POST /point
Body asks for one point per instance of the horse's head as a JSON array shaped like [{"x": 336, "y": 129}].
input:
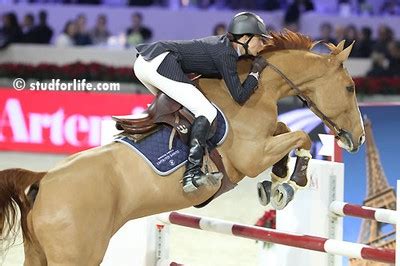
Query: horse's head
[
  {"x": 334, "y": 94},
  {"x": 322, "y": 79}
]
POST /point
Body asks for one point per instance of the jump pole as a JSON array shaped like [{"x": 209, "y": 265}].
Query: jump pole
[
  {"x": 343, "y": 248},
  {"x": 380, "y": 215}
]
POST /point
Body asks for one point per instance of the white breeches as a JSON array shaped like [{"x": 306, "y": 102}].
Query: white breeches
[{"x": 184, "y": 93}]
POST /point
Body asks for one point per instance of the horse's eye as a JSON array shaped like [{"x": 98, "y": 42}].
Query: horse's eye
[{"x": 350, "y": 88}]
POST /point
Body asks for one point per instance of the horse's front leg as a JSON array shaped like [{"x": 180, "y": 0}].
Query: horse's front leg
[
  {"x": 280, "y": 169},
  {"x": 276, "y": 152}
]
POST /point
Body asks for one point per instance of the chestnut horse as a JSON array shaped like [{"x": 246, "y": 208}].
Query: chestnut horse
[{"x": 87, "y": 197}]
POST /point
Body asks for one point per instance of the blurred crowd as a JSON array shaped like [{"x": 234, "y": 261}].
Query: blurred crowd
[
  {"x": 384, "y": 49},
  {"x": 359, "y": 7},
  {"x": 29, "y": 31},
  {"x": 75, "y": 31}
]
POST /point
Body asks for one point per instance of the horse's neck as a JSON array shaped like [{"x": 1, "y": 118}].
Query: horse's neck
[{"x": 299, "y": 66}]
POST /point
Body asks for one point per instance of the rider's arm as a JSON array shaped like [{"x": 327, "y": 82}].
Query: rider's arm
[{"x": 240, "y": 92}]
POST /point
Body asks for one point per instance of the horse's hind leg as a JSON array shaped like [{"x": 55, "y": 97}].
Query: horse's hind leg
[
  {"x": 78, "y": 245},
  {"x": 77, "y": 233},
  {"x": 34, "y": 255}
]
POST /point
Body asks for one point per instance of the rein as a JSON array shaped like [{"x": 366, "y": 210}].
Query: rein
[{"x": 308, "y": 102}]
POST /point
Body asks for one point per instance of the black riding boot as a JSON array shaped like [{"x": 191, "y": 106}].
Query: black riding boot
[{"x": 194, "y": 176}]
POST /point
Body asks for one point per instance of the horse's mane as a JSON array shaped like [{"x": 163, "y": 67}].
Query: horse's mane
[{"x": 289, "y": 40}]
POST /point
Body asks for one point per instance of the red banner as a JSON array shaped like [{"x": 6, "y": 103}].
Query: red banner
[{"x": 59, "y": 122}]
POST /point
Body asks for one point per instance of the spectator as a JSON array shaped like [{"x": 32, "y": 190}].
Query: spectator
[
  {"x": 219, "y": 29},
  {"x": 365, "y": 43},
  {"x": 28, "y": 29},
  {"x": 43, "y": 32},
  {"x": 137, "y": 33},
  {"x": 294, "y": 11},
  {"x": 385, "y": 35},
  {"x": 82, "y": 37},
  {"x": 11, "y": 31},
  {"x": 99, "y": 34},
  {"x": 325, "y": 31},
  {"x": 379, "y": 63},
  {"x": 351, "y": 35},
  {"x": 67, "y": 37},
  {"x": 394, "y": 59},
  {"x": 340, "y": 34}
]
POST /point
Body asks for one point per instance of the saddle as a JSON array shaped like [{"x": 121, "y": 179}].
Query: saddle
[{"x": 163, "y": 110}]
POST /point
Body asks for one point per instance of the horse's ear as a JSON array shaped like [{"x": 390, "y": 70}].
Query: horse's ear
[
  {"x": 315, "y": 43},
  {"x": 340, "y": 45},
  {"x": 343, "y": 55}
]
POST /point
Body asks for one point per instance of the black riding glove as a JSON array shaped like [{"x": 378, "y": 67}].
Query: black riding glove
[{"x": 258, "y": 65}]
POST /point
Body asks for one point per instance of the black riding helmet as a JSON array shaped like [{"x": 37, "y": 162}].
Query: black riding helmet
[{"x": 246, "y": 23}]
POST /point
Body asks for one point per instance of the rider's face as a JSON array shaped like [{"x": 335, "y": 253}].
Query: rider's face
[{"x": 256, "y": 44}]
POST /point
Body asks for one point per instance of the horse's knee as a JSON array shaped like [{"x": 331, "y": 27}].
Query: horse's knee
[{"x": 305, "y": 141}]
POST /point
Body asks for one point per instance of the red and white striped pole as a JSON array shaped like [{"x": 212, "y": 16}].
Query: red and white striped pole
[
  {"x": 380, "y": 215},
  {"x": 331, "y": 246}
]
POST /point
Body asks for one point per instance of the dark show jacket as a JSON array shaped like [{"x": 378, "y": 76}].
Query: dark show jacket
[{"x": 211, "y": 56}]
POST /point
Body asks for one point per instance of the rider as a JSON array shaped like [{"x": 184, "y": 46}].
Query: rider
[{"x": 163, "y": 66}]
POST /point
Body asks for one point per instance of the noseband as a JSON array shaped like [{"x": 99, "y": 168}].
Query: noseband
[{"x": 309, "y": 103}]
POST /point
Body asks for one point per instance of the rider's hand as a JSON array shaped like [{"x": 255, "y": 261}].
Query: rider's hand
[{"x": 258, "y": 65}]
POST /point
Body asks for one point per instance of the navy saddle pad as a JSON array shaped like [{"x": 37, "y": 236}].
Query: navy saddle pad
[{"x": 155, "y": 151}]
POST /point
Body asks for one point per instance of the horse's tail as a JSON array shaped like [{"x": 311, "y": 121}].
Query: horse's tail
[{"x": 13, "y": 183}]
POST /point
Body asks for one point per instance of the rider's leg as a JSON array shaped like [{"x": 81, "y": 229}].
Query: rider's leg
[
  {"x": 194, "y": 176},
  {"x": 189, "y": 96}
]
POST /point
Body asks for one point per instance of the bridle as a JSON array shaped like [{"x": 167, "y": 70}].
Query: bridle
[{"x": 339, "y": 132}]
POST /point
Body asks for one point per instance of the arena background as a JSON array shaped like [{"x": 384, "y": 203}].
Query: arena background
[{"x": 40, "y": 128}]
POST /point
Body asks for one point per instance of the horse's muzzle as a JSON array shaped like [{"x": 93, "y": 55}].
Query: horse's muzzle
[{"x": 346, "y": 141}]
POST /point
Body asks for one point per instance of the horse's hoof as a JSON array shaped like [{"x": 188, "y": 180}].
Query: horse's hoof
[
  {"x": 282, "y": 194},
  {"x": 264, "y": 192}
]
